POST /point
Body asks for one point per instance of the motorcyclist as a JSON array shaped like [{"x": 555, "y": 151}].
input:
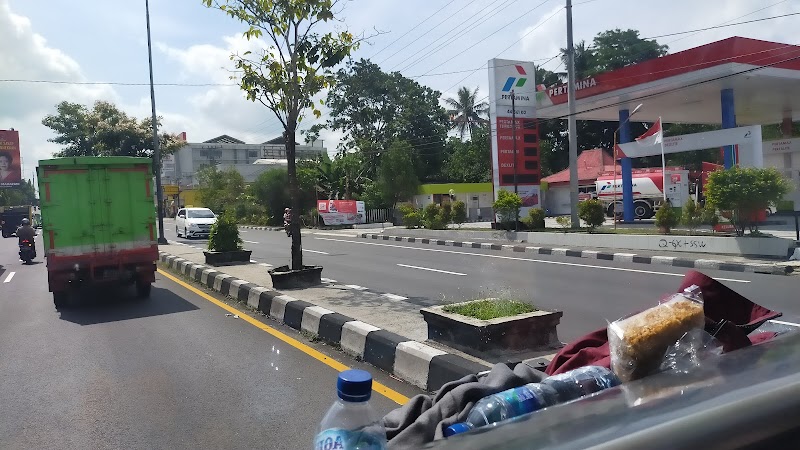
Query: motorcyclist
[
  {"x": 287, "y": 220},
  {"x": 26, "y": 231}
]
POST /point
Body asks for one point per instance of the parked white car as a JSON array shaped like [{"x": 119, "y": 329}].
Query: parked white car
[{"x": 194, "y": 222}]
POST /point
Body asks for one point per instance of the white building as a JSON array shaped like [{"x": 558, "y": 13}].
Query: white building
[{"x": 227, "y": 152}]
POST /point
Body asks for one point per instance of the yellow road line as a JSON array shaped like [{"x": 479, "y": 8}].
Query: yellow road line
[{"x": 338, "y": 366}]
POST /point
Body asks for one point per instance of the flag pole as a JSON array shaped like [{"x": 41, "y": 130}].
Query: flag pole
[{"x": 663, "y": 161}]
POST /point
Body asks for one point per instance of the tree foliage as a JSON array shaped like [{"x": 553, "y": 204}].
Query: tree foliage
[
  {"x": 592, "y": 212},
  {"x": 397, "y": 179},
  {"x": 467, "y": 113},
  {"x": 667, "y": 218},
  {"x": 224, "y": 234},
  {"x": 373, "y": 109},
  {"x": 296, "y": 65},
  {"x": 745, "y": 192},
  {"x": 271, "y": 191},
  {"x": 459, "y": 213},
  {"x": 219, "y": 190},
  {"x": 468, "y": 161},
  {"x": 692, "y": 215},
  {"x": 507, "y": 207},
  {"x": 105, "y": 130},
  {"x": 536, "y": 219}
]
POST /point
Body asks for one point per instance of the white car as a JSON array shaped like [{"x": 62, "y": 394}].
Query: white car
[{"x": 194, "y": 222}]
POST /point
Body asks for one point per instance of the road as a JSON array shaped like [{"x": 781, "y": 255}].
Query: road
[
  {"x": 590, "y": 292},
  {"x": 172, "y": 371}
]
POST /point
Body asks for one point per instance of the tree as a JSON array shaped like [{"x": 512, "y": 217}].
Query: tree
[
  {"x": 470, "y": 161},
  {"x": 692, "y": 216},
  {"x": 507, "y": 207},
  {"x": 592, "y": 212},
  {"x": 536, "y": 218},
  {"x": 667, "y": 218},
  {"x": 271, "y": 190},
  {"x": 466, "y": 113},
  {"x": 615, "y": 49},
  {"x": 396, "y": 177},
  {"x": 745, "y": 192},
  {"x": 105, "y": 130},
  {"x": 288, "y": 75},
  {"x": 374, "y": 108},
  {"x": 224, "y": 236},
  {"x": 220, "y": 190},
  {"x": 459, "y": 213}
]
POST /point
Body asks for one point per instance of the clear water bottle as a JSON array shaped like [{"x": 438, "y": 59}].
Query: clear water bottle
[
  {"x": 351, "y": 423},
  {"x": 551, "y": 391},
  {"x": 506, "y": 405},
  {"x": 581, "y": 382}
]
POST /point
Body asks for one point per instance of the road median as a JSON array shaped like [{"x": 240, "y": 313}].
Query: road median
[{"x": 342, "y": 319}]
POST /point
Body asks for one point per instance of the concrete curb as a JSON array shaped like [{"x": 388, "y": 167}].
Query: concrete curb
[
  {"x": 251, "y": 227},
  {"x": 709, "y": 264},
  {"x": 415, "y": 362}
]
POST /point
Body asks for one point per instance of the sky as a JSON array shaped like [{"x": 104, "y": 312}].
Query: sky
[{"x": 88, "y": 50}]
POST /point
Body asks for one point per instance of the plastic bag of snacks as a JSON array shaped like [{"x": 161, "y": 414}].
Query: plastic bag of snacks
[{"x": 637, "y": 344}]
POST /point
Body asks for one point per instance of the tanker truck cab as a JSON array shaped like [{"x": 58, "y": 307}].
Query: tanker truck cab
[{"x": 194, "y": 222}]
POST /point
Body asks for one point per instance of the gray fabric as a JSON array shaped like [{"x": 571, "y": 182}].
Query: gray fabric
[{"x": 424, "y": 418}]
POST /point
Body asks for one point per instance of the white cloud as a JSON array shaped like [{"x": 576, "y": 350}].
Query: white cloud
[{"x": 26, "y": 55}]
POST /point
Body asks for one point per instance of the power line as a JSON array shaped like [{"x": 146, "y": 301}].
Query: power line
[
  {"x": 458, "y": 34},
  {"x": 112, "y": 83},
  {"x": 724, "y": 26},
  {"x": 411, "y": 29},
  {"x": 737, "y": 18},
  {"x": 493, "y": 33},
  {"x": 425, "y": 33}
]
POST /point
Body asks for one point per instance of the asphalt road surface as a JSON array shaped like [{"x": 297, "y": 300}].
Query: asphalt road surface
[
  {"x": 172, "y": 371},
  {"x": 590, "y": 292}
]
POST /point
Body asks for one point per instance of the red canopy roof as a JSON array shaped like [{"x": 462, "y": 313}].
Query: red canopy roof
[{"x": 591, "y": 163}]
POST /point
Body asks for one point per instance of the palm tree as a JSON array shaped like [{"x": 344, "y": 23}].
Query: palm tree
[
  {"x": 465, "y": 114},
  {"x": 584, "y": 62}
]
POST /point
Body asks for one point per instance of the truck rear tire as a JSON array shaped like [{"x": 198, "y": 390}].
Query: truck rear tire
[
  {"x": 642, "y": 210},
  {"x": 60, "y": 299},
  {"x": 143, "y": 289}
]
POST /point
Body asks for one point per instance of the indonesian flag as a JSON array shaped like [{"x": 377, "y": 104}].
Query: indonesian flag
[
  {"x": 643, "y": 145},
  {"x": 653, "y": 136}
]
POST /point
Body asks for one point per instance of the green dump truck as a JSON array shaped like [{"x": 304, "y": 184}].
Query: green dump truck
[{"x": 98, "y": 227}]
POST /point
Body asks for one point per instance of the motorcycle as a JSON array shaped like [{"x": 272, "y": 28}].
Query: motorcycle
[
  {"x": 27, "y": 251},
  {"x": 287, "y": 227}
]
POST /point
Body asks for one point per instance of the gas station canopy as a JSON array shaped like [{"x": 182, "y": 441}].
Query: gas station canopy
[{"x": 684, "y": 87}]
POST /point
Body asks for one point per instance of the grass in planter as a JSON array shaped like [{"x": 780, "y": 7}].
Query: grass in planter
[{"x": 491, "y": 309}]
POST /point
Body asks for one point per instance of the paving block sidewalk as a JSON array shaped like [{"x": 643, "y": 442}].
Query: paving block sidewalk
[
  {"x": 372, "y": 326},
  {"x": 695, "y": 261}
]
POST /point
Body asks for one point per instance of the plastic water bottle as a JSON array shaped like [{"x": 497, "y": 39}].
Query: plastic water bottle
[
  {"x": 351, "y": 423},
  {"x": 535, "y": 396}
]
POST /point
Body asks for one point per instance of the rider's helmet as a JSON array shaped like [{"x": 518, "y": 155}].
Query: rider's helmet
[{"x": 25, "y": 222}]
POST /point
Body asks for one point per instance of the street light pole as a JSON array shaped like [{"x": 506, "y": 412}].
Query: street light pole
[
  {"x": 156, "y": 151},
  {"x": 572, "y": 125}
]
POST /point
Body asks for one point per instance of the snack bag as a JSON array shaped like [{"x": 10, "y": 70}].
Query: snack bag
[{"x": 637, "y": 344}]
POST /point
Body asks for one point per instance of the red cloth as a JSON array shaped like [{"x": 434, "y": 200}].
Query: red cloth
[{"x": 729, "y": 317}]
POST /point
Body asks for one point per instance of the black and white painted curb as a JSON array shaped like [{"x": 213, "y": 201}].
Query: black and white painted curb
[
  {"x": 415, "y": 362},
  {"x": 251, "y": 227},
  {"x": 708, "y": 264}
]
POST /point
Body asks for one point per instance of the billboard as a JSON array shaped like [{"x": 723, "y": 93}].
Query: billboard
[
  {"x": 514, "y": 126},
  {"x": 341, "y": 212},
  {"x": 10, "y": 163}
]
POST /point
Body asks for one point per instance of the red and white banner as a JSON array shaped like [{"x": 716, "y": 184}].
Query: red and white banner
[
  {"x": 10, "y": 163},
  {"x": 341, "y": 212}
]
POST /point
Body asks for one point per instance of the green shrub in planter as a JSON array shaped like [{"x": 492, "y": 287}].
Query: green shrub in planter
[
  {"x": 459, "y": 213},
  {"x": 667, "y": 218},
  {"x": 224, "y": 235},
  {"x": 536, "y": 219},
  {"x": 412, "y": 220}
]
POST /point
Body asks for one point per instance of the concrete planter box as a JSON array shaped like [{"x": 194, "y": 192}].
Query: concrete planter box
[
  {"x": 284, "y": 278},
  {"x": 505, "y": 339},
  {"x": 227, "y": 258}
]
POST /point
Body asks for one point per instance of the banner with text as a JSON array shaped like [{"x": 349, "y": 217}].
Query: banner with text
[
  {"x": 515, "y": 133},
  {"x": 341, "y": 212},
  {"x": 10, "y": 163}
]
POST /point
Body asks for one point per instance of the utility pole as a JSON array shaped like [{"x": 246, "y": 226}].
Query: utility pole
[
  {"x": 573, "y": 138},
  {"x": 156, "y": 151}
]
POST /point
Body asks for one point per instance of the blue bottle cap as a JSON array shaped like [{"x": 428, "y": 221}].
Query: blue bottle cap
[
  {"x": 456, "y": 428},
  {"x": 354, "y": 385}
]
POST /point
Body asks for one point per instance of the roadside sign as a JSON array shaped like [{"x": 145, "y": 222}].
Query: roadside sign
[{"x": 170, "y": 189}]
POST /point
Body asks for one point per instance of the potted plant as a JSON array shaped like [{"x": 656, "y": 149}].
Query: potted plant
[{"x": 224, "y": 243}]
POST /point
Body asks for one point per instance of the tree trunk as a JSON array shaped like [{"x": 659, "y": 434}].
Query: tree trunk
[{"x": 294, "y": 193}]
